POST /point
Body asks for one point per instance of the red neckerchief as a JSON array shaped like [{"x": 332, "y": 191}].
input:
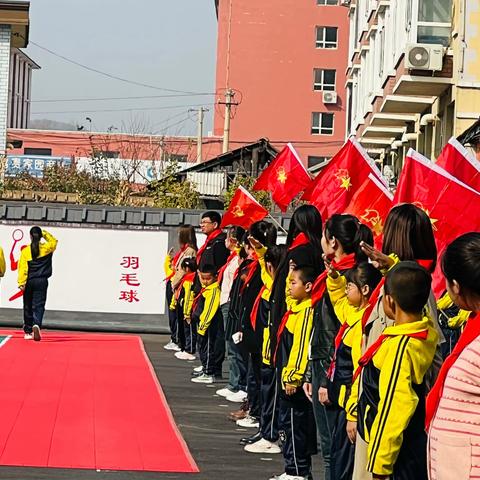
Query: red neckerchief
[
  {"x": 211, "y": 237},
  {"x": 175, "y": 261},
  {"x": 197, "y": 298},
  {"x": 471, "y": 333},
  {"x": 320, "y": 285},
  {"x": 222, "y": 270},
  {"x": 369, "y": 354},
  {"x": 280, "y": 330},
  {"x": 189, "y": 277},
  {"x": 338, "y": 341},
  {"x": 251, "y": 268},
  {"x": 298, "y": 241},
  {"x": 256, "y": 305}
]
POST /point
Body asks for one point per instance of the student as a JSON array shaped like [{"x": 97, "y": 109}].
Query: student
[
  {"x": 453, "y": 404},
  {"x": 266, "y": 234},
  {"x": 34, "y": 270},
  {"x": 187, "y": 241},
  {"x": 391, "y": 407},
  {"x": 297, "y": 425},
  {"x": 407, "y": 235},
  {"x": 226, "y": 277},
  {"x": 207, "y": 316},
  {"x": 182, "y": 303},
  {"x": 349, "y": 295},
  {"x": 265, "y": 440},
  {"x": 341, "y": 244}
]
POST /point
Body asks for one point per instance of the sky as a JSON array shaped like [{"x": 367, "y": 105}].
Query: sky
[{"x": 169, "y": 44}]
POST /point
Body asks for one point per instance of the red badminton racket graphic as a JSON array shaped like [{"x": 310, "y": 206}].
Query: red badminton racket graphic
[{"x": 17, "y": 236}]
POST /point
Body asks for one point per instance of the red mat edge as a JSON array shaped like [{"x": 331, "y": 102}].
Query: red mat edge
[{"x": 168, "y": 410}]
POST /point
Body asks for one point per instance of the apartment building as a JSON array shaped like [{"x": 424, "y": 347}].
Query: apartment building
[{"x": 413, "y": 74}]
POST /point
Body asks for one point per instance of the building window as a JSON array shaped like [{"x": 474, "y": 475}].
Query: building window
[
  {"x": 324, "y": 79},
  {"x": 434, "y": 22},
  {"x": 314, "y": 161},
  {"x": 327, "y": 2},
  {"x": 326, "y": 37},
  {"x": 322, "y": 123}
]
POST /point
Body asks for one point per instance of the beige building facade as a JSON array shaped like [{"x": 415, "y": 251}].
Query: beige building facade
[{"x": 413, "y": 76}]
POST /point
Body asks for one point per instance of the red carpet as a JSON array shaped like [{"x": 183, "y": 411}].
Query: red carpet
[{"x": 85, "y": 401}]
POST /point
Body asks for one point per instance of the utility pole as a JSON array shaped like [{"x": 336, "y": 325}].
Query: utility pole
[
  {"x": 201, "y": 112},
  {"x": 229, "y": 94}
]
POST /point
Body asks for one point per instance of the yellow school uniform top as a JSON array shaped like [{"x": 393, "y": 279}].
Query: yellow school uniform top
[
  {"x": 401, "y": 362},
  {"x": 267, "y": 281},
  {"x": 3, "y": 265},
  {"x": 352, "y": 337},
  {"x": 458, "y": 320},
  {"x": 211, "y": 304},
  {"x": 299, "y": 325},
  {"x": 46, "y": 247}
]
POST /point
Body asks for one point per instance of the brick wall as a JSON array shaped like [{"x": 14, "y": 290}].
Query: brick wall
[{"x": 5, "y": 31}]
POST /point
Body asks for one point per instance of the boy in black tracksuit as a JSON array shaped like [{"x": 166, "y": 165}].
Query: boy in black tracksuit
[
  {"x": 207, "y": 316},
  {"x": 297, "y": 425}
]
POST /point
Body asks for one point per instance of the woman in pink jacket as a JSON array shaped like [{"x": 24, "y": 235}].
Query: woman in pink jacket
[{"x": 453, "y": 404}]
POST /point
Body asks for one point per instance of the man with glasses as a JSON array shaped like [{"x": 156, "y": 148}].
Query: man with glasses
[{"x": 213, "y": 252}]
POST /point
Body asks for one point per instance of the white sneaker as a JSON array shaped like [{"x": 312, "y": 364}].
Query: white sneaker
[
  {"x": 28, "y": 336},
  {"x": 198, "y": 369},
  {"x": 263, "y": 446},
  {"x": 171, "y": 346},
  {"x": 184, "y": 356},
  {"x": 224, "y": 392},
  {"x": 248, "y": 422},
  {"x": 237, "y": 397},
  {"x": 36, "y": 333},
  {"x": 203, "y": 379},
  {"x": 286, "y": 476}
]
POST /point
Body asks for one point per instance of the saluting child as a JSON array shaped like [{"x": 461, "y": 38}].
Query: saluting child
[
  {"x": 349, "y": 294},
  {"x": 391, "y": 408},
  {"x": 206, "y": 315}
]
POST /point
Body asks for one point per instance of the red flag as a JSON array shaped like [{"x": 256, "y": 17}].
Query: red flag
[
  {"x": 243, "y": 210},
  {"x": 453, "y": 206},
  {"x": 285, "y": 177},
  {"x": 457, "y": 161},
  {"x": 371, "y": 204},
  {"x": 335, "y": 186}
]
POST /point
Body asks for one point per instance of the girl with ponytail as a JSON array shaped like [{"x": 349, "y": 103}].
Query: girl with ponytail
[{"x": 34, "y": 270}]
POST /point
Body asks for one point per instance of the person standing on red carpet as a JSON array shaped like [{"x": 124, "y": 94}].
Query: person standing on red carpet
[{"x": 34, "y": 270}]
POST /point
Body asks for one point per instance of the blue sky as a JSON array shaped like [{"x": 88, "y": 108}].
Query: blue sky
[{"x": 163, "y": 43}]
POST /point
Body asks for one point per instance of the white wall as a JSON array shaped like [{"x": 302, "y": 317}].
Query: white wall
[{"x": 87, "y": 270}]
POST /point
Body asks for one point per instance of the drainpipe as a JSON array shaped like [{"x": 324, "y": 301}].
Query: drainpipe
[{"x": 428, "y": 118}]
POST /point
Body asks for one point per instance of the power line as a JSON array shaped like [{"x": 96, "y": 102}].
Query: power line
[
  {"x": 98, "y": 99},
  {"x": 131, "y": 109},
  {"x": 109, "y": 75}
]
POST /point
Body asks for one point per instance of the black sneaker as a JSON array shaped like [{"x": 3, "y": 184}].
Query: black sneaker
[{"x": 251, "y": 439}]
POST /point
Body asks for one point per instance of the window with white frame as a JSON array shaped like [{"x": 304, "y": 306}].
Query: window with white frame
[
  {"x": 322, "y": 123},
  {"x": 323, "y": 80},
  {"x": 313, "y": 161},
  {"x": 434, "y": 21},
  {"x": 327, "y": 2},
  {"x": 326, "y": 37}
]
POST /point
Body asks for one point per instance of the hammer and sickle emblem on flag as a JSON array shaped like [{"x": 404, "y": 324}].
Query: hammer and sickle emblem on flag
[
  {"x": 373, "y": 218},
  {"x": 281, "y": 175},
  {"x": 343, "y": 177},
  {"x": 237, "y": 211},
  {"x": 433, "y": 221}
]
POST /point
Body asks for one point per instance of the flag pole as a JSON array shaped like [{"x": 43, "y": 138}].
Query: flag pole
[{"x": 278, "y": 225}]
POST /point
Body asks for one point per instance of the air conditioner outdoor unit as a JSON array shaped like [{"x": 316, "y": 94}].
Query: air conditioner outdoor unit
[
  {"x": 329, "y": 97},
  {"x": 424, "y": 56}
]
